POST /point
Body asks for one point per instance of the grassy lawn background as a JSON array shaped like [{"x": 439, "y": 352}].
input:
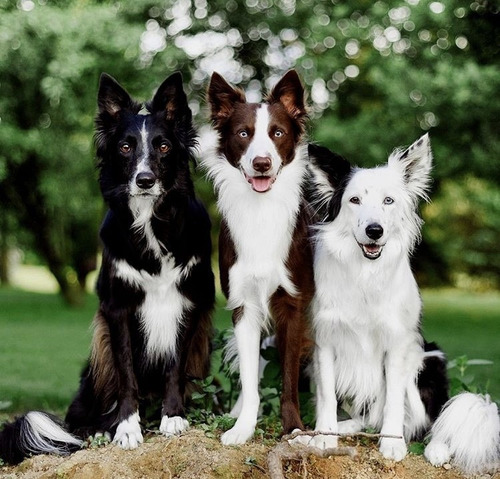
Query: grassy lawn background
[{"x": 44, "y": 344}]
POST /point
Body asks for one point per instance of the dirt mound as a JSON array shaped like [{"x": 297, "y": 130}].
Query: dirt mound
[{"x": 193, "y": 455}]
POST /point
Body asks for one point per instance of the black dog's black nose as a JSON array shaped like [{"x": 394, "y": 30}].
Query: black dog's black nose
[
  {"x": 374, "y": 231},
  {"x": 145, "y": 179}
]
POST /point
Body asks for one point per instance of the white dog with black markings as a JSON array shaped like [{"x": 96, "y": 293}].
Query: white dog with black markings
[{"x": 370, "y": 355}]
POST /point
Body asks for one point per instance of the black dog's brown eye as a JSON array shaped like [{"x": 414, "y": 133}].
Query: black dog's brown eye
[
  {"x": 164, "y": 148},
  {"x": 125, "y": 148}
]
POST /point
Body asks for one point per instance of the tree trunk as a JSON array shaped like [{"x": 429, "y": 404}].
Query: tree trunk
[{"x": 4, "y": 251}]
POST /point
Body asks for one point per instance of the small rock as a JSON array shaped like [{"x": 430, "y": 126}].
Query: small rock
[{"x": 447, "y": 466}]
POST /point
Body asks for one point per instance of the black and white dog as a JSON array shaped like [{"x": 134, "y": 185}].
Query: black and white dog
[
  {"x": 156, "y": 288},
  {"x": 370, "y": 353}
]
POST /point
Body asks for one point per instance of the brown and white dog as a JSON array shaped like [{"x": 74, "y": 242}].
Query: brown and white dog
[{"x": 265, "y": 257}]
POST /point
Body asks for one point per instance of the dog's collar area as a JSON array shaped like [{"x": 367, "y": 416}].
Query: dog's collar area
[{"x": 371, "y": 250}]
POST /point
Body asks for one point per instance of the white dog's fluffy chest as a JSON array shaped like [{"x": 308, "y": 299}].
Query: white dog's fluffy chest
[
  {"x": 362, "y": 309},
  {"x": 261, "y": 228},
  {"x": 164, "y": 305}
]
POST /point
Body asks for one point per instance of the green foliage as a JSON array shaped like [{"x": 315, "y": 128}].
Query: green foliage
[
  {"x": 379, "y": 75},
  {"x": 97, "y": 441},
  {"x": 416, "y": 448},
  {"x": 465, "y": 216},
  {"x": 461, "y": 377}
]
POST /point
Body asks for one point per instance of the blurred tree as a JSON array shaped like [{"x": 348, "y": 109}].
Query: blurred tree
[
  {"x": 380, "y": 74},
  {"x": 51, "y": 59}
]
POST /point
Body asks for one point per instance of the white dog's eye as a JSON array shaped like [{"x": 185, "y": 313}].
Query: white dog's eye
[
  {"x": 278, "y": 133},
  {"x": 388, "y": 200},
  {"x": 355, "y": 200},
  {"x": 243, "y": 134}
]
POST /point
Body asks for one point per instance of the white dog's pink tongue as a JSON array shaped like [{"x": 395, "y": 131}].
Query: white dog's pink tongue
[{"x": 261, "y": 184}]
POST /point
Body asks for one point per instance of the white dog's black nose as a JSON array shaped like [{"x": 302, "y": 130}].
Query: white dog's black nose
[
  {"x": 374, "y": 231},
  {"x": 145, "y": 180}
]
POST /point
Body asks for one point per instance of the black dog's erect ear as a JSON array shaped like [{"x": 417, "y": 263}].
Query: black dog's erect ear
[
  {"x": 334, "y": 166},
  {"x": 329, "y": 174},
  {"x": 171, "y": 99},
  {"x": 112, "y": 97},
  {"x": 222, "y": 97}
]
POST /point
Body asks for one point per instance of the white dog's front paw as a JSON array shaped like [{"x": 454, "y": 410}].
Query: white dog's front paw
[
  {"x": 237, "y": 435},
  {"x": 173, "y": 425},
  {"x": 324, "y": 441},
  {"x": 437, "y": 453},
  {"x": 128, "y": 433},
  {"x": 302, "y": 439},
  {"x": 392, "y": 448}
]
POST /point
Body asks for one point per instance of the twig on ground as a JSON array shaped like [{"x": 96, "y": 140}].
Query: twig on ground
[
  {"x": 293, "y": 435},
  {"x": 285, "y": 451}
]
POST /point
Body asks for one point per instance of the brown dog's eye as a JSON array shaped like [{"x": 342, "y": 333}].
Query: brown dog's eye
[{"x": 164, "y": 148}]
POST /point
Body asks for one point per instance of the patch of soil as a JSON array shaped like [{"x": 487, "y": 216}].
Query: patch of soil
[{"x": 193, "y": 455}]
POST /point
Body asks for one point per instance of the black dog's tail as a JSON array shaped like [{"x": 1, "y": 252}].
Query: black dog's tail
[{"x": 35, "y": 433}]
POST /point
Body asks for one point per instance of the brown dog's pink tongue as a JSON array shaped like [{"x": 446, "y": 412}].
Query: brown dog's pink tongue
[{"x": 261, "y": 184}]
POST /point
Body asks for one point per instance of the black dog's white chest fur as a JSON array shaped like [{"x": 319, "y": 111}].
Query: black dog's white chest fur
[{"x": 164, "y": 305}]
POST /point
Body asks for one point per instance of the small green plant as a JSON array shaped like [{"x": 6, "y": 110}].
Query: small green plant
[
  {"x": 416, "y": 448},
  {"x": 99, "y": 440},
  {"x": 461, "y": 377}
]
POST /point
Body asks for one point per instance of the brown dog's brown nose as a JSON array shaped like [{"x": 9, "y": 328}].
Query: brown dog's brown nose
[{"x": 262, "y": 164}]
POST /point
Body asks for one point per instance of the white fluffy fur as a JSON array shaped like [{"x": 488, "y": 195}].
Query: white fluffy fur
[
  {"x": 128, "y": 433},
  {"x": 467, "y": 433},
  {"x": 261, "y": 226},
  {"x": 43, "y": 432},
  {"x": 164, "y": 305},
  {"x": 366, "y": 312},
  {"x": 173, "y": 425}
]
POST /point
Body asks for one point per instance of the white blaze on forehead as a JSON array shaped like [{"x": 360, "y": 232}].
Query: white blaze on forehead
[
  {"x": 261, "y": 143},
  {"x": 143, "y": 164}
]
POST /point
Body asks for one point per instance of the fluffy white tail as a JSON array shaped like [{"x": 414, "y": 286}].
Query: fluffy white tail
[
  {"x": 35, "y": 433},
  {"x": 467, "y": 433}
]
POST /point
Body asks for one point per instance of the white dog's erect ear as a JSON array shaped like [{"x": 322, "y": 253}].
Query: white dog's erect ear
[{"x": 416, "y": 164}]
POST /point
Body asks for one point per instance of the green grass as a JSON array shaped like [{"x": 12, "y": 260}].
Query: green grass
[
  {"x": 464, "y": 323},
  {"x": 44, "y": 344}
]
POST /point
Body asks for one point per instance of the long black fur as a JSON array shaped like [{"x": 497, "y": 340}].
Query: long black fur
[{"x": 122, "y": 377}]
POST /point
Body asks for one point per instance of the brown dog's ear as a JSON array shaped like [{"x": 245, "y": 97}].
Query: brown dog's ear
[
  {"x": 222, "y": 97},
  {"x": 290, "y": 93}
]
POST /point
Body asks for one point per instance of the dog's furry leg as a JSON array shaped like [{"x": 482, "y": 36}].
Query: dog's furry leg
[
  {"x": 326, "y": 400},
  {"x": 290, "y": 317},
  {"x": 128, "y": 433},
  {"x": 173, "y": 421},
  {"x": 397, "y": 373},
  {"x": 247, "y": 335}
]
